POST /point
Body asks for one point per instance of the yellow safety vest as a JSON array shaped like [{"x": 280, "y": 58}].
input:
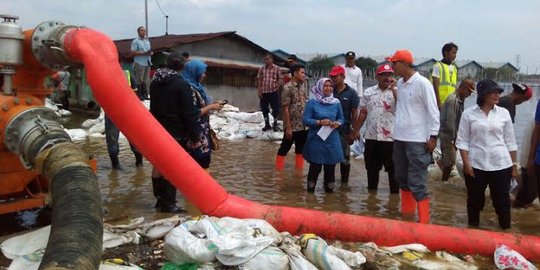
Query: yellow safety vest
[{"x": 447, "y": 81}]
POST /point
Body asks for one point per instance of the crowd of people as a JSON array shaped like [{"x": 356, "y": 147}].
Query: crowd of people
[{"x": 402, "y": 118}]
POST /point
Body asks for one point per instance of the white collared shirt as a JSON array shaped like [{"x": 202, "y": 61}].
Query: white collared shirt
[
  {"x": 488, "y": 139},
  {"x": 417, "y": 114},
  {"x": 354, "y": 79}
]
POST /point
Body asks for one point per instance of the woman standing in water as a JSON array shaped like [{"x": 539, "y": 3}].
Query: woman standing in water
[
  {"x": 200, "y": 148},
  {"x": 488, "y": 147},
  {"x": 323, "y": 112}
]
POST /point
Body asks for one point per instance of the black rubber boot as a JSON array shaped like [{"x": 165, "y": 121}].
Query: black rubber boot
[
  {"x": 138, "y": 160},
  {"x": 115, "y": 163},
  {"x": 168, "y": 204},
  {"x": 394, "y": 186},
  {"x": 329, "y": 178},
  {"x": 158, "y": 190},
  {"x": 313, "y": 174},
  {"x": 345, "y": 171},
  {"x": 275, "y": 126},
  {"x": 266, "y": 125}
]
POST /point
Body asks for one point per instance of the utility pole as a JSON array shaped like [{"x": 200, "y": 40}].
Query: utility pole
[
  {"x": 146, "y": 17},
  {"x": 166, "y": 24}
]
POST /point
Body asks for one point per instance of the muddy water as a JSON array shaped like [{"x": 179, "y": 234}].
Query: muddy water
[{"x": 245, "y": 168}]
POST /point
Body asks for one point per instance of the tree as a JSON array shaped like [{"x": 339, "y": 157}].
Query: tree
[
  {"x": 366, "y": 64},
  {"x": 320, "y": 65}
]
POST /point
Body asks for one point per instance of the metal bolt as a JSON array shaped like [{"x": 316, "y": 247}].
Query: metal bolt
[
  {"x": 41, "y": 28},
  {"x": 5, "y": 107},
  {"x": 51, "y": 23},
  {"x": 36, "y": 38},
  {"x": 28, "y": 101},
  {"x": 16, "y": 101}
]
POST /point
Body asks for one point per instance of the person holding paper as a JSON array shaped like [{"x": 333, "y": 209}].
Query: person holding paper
[{"x": 323, "y": 115}]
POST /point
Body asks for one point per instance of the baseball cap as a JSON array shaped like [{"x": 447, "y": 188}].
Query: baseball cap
[
  {"x": 385, "y": 68},
  {"x": 350, "y": 54},
  {"x": 487, "y": 86},
  {"x": 523, "y": 89},
  {"x": 401, "y": 55},
  {"x": 336, "y": 70}
]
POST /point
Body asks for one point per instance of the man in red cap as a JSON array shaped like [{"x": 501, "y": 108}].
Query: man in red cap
[
  {"x": 377, "y": 106},
  {"x": 348, "y": 97},
  {"x": 416, "y": 129},
  {"x": 521, "y": 93}
]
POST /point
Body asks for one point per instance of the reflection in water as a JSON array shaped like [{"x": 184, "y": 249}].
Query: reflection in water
[{"x": 246, "y": 168}]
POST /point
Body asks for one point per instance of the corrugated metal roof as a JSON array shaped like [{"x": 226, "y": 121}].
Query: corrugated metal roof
[{"x": 161, "y": 43}]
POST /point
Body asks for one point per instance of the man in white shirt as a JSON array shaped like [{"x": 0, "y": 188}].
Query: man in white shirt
[
  {"x": 378, "y": 106},
  {"x": 353, "y": 74},
  {"x": 416, "y": 128}
]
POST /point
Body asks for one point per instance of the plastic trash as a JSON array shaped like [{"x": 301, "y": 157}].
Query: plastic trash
[
  {"x": 507, "y": 258},
  {"x": 297, "y": 260},
  {"x": 270, "y": 258},
  {"x": 357, "y": 148},
  {"x": 318, "y": 252}
]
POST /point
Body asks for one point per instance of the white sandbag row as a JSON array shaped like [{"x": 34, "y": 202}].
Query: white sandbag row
[{"x": 59, "y": 112}]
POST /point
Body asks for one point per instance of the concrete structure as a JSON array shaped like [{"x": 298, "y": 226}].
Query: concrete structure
[
  {"x": 283, "y": 54},
  {"x": 233, "y": 62},
  {"x": 469, "y": 69}
]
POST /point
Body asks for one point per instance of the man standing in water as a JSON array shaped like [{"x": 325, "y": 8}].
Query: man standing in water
[
  {"x": 445, "y": 73},
  {"x": 142, "y": 53},
  {"x": 416, "y": 129},
  {"x": 450, "y": 115},
  {"x": 349, "y": 100},
  {"x": 269, "y": 80},
  {"x": 293, "y": 101}
]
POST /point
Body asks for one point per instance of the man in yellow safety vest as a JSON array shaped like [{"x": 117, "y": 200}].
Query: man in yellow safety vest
[{"x": 445, "y": 73}]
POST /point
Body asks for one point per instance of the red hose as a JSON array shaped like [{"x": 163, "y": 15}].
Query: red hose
[{"x": 100, "y": 58}]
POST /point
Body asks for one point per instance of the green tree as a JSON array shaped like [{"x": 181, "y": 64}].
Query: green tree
[
  {"x": 320, "y": 65},
  {"x": 367, "y": 65}
]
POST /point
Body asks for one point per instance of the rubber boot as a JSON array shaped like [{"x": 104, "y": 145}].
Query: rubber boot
[
  {"x": 299, "y": 162},
  {"x": 408, "y": 203},
  {"x": 394, "y": 186},
  {"x": 345, "y": 171},
  {"x": 115, "y": 163},
  {"x": 275, "y": 126},
  {"x": 168, "y": 204},
  {"x": 158, "y": 190},
  {"x": 266, "y": 125},
  {"x": 280, "y": 162},
  {"x": 329, "y": 179},
  {"x": 138, "y": 160},
  {"x": 423, "y": 211}
]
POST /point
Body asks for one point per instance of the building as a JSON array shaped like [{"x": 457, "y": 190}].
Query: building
[
  {"x": 424, "y": 66},
  {"x": 283, "y": 54},
  {"x": 469, "y": 69},
  {"x": 233, "y": 62}
]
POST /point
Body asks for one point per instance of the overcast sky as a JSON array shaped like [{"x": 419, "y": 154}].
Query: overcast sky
[{"x": 484, "y": 30}]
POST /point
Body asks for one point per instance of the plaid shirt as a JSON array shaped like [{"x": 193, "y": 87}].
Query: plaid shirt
[{"x": 269, "y": 78}]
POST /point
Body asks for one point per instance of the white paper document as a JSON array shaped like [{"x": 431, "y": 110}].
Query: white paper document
[{"x": 324, "y": 132}]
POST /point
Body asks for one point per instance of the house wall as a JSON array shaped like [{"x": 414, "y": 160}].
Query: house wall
[
  {"x": 245, "y": 98},
  {"x": 469, "y": 71},
  {"x": 425, "y": 68},
  {"x": 223, "y": 47}
]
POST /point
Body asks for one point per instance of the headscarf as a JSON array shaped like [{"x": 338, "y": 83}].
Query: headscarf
[
  {"x": 193, "y": 70},
  {"x": 317, "y": 92}
]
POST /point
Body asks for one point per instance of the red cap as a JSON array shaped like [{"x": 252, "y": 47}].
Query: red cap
[
  {"x": 385, "y": 68},
  {"x": 336, "y": 70},
  {"x": 523, "y": 89},
  {"x": 401, "y": 55}
]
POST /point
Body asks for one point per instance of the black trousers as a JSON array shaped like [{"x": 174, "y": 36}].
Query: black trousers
[
  {"x": 298, "y": 138},
  {"x": 272, "y": 100},
  {"x": 377, "y": 154},
  {"x": 499, "y": 187},
  {"x": 315, "y": 169}
]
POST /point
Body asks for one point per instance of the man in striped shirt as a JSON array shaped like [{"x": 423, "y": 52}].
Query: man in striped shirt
[{"x": 269, "y": 80}]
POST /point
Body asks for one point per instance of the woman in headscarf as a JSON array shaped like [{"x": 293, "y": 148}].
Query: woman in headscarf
[
  {"x": 200, "y": 149},
  {"x": 323, "y": 111}
]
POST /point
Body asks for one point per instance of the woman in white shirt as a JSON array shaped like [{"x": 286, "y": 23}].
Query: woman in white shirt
[{"x": 488, "y": 147}]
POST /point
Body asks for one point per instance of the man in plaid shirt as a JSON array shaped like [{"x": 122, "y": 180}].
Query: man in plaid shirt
[{"x": 269, "y": 80}]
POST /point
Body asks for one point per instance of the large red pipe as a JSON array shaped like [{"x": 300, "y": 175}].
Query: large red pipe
[{"x": 99, "y": 56}]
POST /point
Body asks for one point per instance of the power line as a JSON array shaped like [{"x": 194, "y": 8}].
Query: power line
[{"x": 161, "y": 9}]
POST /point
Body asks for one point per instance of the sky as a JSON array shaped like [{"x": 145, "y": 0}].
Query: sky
[{"x": 498, "y": 30}]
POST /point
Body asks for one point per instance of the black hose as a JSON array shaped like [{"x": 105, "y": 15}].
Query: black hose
[{"x": 77, "y": 230}]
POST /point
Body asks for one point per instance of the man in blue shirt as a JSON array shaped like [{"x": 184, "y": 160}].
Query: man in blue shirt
[
  {"x": 348, "y": 97},
  {"x": 142, "y": 61},
  {"x": 533, "y": 166}
]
